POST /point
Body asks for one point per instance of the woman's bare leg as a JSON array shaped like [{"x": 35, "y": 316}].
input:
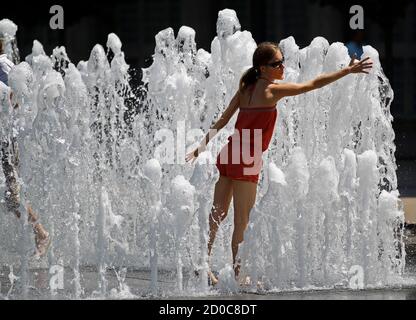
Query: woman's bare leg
[
  {"x": 222, "y": 199},
  {"x": 244, "y": 198}
]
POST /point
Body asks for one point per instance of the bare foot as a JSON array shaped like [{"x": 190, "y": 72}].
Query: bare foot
[
  {"x": 237, "y": 270},
  {"x": 244, "y": 281},
  {"x": 212, "y": 279}
]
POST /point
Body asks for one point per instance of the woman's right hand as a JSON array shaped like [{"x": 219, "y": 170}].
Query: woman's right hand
[
  {"x": 357, "y": 66},
  {"x": 191, "y": 156}
]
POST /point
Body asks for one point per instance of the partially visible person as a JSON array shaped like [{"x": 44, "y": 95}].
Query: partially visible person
[
  {"x": 10, "y": 162},
  {"x": 355, "y": 43},
  {"x": 5, "y": 64}
]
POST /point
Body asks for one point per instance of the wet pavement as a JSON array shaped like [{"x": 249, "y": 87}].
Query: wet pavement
[{"x": 138, "y": 285}]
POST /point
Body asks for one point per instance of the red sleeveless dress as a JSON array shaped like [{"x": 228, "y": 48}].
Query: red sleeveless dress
[{"x": 241, "y": 157}]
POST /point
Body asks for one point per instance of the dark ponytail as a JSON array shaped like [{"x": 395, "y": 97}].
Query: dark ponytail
[
  {"x": 249, "y": 77},
  {"x": 263, "y": 54}
]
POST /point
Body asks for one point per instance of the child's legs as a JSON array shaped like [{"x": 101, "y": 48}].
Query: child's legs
[{"x": 12, "y": 193}]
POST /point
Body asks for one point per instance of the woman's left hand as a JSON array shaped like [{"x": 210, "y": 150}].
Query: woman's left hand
[{"x": 358, "y": 66}]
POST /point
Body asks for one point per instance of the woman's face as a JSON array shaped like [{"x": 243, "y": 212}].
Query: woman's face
[{"x": 275, "y": 68}]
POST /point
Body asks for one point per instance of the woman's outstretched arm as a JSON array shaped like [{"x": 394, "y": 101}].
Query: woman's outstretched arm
[
  {"x": 292, "y": 89},
  {"x": 222, "y": 121}
]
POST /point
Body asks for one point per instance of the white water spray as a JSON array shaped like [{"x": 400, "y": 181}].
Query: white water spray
[{"x": 327, "y": 199}]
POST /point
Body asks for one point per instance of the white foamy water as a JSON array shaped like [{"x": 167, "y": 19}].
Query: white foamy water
[{"x": 117, "y": 194}]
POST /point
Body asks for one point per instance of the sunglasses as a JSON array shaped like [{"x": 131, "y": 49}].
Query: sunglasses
[{"x": 277, "y": 64}]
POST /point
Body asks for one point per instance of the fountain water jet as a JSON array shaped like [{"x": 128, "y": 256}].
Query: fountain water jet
[{"x": 327, "y": 198}]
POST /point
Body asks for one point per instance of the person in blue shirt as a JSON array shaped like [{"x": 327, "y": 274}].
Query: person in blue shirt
[{"x": 355, "y": 44}]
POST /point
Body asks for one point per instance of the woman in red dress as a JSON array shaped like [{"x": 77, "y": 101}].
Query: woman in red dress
[{"x": 239, "y": 162}]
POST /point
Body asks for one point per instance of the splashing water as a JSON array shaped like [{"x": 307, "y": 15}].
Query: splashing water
[{"x": 114, "y": 191}]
